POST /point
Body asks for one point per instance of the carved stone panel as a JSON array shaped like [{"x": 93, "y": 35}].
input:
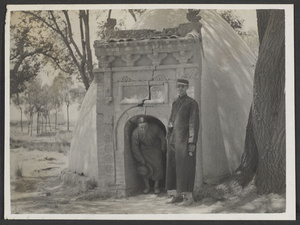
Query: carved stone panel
[
  {"x": 164, "y": 75},
  {"x": 191, "y": 73},
  {"x": 157, "y": 92},
  {"x": 144, "y": 74},
  {"x": 135, "y": 92},
  {"x": 138, "y": 92},
  {"x": 183, "y": 56}
]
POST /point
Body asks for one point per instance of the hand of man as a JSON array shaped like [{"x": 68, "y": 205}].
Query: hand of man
[
  {"x": 170, "y": 127},
  {"x": 191, "y": 149}
]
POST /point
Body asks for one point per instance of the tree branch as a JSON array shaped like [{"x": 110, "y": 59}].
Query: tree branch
[
  {"x": 85, "y": 17},
  {"x": 70, "y": 34},
  {"x": 132, "y": 14},
  {"x": 24, "y": 56},
  {"x": 65, "y": 41},
  {"x": 83, "y": 57},
  {"x": 41, "y": 19},
  {"x": 57, "y": 30},
  {"x": 56, "y": 61}
]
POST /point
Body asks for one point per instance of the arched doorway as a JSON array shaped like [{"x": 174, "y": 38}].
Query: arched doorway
[{"x": 134, "y": 182}]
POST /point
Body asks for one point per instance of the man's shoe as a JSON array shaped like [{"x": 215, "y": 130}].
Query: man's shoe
[
  {"x": 176, "y": 199},
  {"x": 187, "y": 201},
  {"x": 156, "y": 190},
  {"x": 146, "y": 190}
]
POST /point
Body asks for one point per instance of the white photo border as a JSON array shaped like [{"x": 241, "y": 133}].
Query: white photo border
[{"x": 290, "y": 213}]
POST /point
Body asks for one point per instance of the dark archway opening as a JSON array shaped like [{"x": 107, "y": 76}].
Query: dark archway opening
[{"x": 134, "y": 182}]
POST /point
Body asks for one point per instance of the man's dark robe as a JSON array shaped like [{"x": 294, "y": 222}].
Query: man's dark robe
[
  {"x": 148, "y": 147},
  {"x": 180, "y": 165}
]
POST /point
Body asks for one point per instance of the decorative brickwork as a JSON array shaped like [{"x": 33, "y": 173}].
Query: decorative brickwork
[
  {"x": 156, "y": 58},
  {"x": 108, "y": 155},
  {"x": 99, "y": 77},
  {"x": 160, "y": 77},
  {"x": 125, "y": 79},
  {"x": 144, "y": 34}
]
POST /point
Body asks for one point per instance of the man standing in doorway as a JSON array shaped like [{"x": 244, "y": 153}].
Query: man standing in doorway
[
  {"x": 148, "y": 146},
  {"x": 183, "y": 130}
]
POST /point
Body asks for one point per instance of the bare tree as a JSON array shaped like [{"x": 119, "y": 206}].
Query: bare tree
[
  {"x": 28, "y": 48},
  {"x": 32, "y": 101},
  {"x": 56, "y": 100},
  {"x": 59, "y": 22},
  {"x": 63, "y": 84},
  {"x": 19, "y": 103}
]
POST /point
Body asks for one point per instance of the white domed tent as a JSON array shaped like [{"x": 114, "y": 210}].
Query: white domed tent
[{"x": 138, "y": 60}]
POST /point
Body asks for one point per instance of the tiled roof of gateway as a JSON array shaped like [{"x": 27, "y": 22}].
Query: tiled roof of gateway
[{"x": 146, "y": 34}]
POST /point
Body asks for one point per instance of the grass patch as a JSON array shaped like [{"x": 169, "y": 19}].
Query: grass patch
[
  {"x": 19, "y": 172},
  {"x": 47, "y": 134},
  {"x": 61, "y": 147},
  {"x": 50, "y": 158},
  {"x": 95, "y": 195},
  {"x": 91, "y": 184},
  {"x": 24, "y": 185}
]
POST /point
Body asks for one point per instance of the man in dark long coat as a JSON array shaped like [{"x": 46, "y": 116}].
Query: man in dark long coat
[
  {"x": 148, "y": 146},
  {"x": 183, "y": 130}
]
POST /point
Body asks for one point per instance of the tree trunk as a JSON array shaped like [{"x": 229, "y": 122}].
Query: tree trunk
[
  {"x": 83, "y": 45},
  {"x": 263, "y": 16},
  {"x": 46, "y": 122},
  {"x": 68, "y": 117},
  {"x": 85, "y": 16},
  {"x": 28, "y": 125},
  {"x": 55, "y": 120},
  {"x": 21, "y": 119},
  {"x": 42, "y": 127},
  {"x": 245, "y": 172},
  {"x": 31, "y": 123},
  {"x": 37, "y": 123},
  {"x": 49, "y": 123},
  {"x": 269, "y": 105}
]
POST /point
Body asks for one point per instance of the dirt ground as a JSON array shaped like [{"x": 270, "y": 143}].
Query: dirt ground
[{"x": 36, "y": 187}]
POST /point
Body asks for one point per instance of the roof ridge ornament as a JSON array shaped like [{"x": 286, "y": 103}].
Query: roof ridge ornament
[{"x": 192, "y": 15}]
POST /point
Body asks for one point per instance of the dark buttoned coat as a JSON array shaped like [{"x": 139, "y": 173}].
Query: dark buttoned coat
[
  {"x": 149, "y": 147},
  {"x": 184, "y": 118}
]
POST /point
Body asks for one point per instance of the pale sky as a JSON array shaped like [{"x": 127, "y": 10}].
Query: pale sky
[{"x": 250, "y": 18}]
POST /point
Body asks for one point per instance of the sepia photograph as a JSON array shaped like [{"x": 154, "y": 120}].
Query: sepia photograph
[{"x": 171, "y": 112}]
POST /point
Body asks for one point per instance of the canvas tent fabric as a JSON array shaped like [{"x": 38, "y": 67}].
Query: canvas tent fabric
[
  {"x": 226, "y": 96},
  {"x": 83, "y": 155},
  {"x": 226, "y": 86}
]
